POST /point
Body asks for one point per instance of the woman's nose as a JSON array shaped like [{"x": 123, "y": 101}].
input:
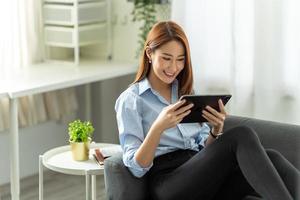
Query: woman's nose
[{"x": 173, "y": 66}]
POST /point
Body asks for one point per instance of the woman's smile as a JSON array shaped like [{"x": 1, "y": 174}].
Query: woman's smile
[{"x": 169, "y": 74}]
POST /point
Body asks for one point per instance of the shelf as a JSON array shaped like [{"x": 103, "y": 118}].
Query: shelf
[
  {"x": 71, "y": 24},
  {"x": 65, "y": 15},
  {"x": 71, "y": 1},
  {"x": 65, "y": 36}
]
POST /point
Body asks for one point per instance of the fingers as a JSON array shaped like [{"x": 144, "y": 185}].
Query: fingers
[
  {"x": 181, "y": 112},
  {"x": 174, "y": 113},
  {"x": 215, "y": 121},
  {"x": 217, "y": 114},
  {"x": 212, "y": 122},
  {"x": 183, "y": 109},
  {"x": 222, "y": 107},
  {"x": 178, "y": 105},
  {"x": 182, "y": 115}
]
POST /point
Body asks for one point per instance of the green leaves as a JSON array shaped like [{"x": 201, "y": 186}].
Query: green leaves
[
  {"x": 80, "y": 131},
  {"x": 144, "y": 11}
]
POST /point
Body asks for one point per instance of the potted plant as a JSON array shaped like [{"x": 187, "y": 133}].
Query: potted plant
[
  {"x": 143, "y": 12},
  {"x": 80, "y": 138}
]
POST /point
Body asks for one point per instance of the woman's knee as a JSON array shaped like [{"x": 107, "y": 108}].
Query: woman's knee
[
  {"x": 243, "y": 134},
  {"x": 274, "y": 155}
]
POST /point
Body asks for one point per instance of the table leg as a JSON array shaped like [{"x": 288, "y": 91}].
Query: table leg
[
  {"x": 41, "y": 178},
  {"x": 88, "y": 102},
  {"x": 76, "y": 33},
  {"x": 94, "y": 187},
  {"x": 87, "y": 186},
  {"x": 109, "y": 30},
  {"x": 14, "y": 150}
]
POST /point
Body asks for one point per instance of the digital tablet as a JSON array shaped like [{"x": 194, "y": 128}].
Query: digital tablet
[{"x": 200, "y": 102}]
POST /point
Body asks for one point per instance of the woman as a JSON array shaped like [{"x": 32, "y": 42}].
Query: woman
[{"x": 191, "y": 161}]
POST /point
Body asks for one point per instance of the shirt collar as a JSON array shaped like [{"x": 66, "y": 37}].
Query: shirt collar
[{"x": 144, "y": 85}]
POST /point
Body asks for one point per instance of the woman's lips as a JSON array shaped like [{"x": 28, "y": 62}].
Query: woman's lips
[{"x": 170, "y": 75}]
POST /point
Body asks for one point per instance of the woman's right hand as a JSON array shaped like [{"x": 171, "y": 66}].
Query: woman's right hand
[{"x": 171, "y": 115}]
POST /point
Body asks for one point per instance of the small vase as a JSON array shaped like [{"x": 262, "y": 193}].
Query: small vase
[{"x": 80, "y": 150}]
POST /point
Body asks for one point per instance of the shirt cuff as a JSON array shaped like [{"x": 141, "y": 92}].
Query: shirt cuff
[
  {"x": 137, "y": 170},
  {"x": 202, "y": 142}
]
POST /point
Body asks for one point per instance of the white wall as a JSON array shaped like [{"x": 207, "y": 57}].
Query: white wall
[{"x": 33, "y": 141}]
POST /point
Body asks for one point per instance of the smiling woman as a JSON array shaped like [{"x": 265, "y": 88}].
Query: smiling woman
[
  {"x": 172, "y": 56},
  {"x": 166, "y": 66},
  {"x": 182, "y": 161}
]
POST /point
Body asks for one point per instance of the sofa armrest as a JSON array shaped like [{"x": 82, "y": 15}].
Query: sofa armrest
[
  {"x": 120, "y": 183},
  {"x": 283, "y": 137}
]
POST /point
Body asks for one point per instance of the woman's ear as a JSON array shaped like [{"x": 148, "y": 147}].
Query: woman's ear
[{"x": 148, "y": 53}]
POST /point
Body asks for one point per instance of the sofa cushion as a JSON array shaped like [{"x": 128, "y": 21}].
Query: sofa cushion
[{"x": 122, "y": 184}]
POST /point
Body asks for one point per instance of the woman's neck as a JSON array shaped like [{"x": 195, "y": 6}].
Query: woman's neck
[{"x": 158, "y": 85}]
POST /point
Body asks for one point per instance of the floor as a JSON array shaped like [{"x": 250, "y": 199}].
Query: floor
[{"x": 57, "y": 186}]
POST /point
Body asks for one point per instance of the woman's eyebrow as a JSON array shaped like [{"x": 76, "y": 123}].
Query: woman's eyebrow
[{"x": 167, "y": 54}]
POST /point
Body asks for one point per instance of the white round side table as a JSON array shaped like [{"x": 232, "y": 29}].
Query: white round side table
[{"x": 60, "y": 160}]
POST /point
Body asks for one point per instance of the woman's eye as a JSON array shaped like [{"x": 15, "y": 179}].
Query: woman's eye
[
  {"x": 181, "y": 59},
  {"x": 165, "y": 58}
]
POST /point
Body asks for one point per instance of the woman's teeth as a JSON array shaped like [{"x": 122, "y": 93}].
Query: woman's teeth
[{"x": 170, "y": 74}]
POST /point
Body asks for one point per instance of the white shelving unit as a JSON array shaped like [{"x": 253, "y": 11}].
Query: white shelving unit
[{"x": 76, "y": 23}]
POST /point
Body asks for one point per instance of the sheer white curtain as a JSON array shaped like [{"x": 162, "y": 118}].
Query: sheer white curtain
[
  {"x": 21, "y": 45},
  {"x": 248, "y": 48}
]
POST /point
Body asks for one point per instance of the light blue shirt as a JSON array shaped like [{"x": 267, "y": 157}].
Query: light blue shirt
[{"x": 136, "y": 109}]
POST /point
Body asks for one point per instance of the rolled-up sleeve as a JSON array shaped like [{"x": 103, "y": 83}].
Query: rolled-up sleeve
[{"x": 130, "y": 131}]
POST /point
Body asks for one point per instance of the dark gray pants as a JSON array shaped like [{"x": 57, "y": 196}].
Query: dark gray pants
[{"x": 233, "y": 167}]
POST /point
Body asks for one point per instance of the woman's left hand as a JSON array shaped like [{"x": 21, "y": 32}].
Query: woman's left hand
[{"x": 215, "y": 118}]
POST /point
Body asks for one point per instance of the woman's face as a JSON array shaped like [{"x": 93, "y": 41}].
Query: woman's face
[{"x": 167, "y": 61}]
